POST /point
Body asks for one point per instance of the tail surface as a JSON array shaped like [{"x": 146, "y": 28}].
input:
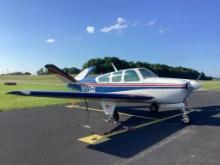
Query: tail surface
[
  {"x": 84, "y": 73},
  {"x": 60, "y": 73},
  {"x": 66, "y": 77}
]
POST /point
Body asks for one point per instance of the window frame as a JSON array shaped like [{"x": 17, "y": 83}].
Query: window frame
[{"x": 112, "y": 74}]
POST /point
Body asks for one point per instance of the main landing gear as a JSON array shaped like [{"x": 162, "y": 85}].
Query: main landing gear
[{"x": 114, "y": 117}]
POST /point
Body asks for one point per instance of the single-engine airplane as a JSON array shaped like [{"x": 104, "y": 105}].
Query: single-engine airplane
[{"x": 128, "y": 85}]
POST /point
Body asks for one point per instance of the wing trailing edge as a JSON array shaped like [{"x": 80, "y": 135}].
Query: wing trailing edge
[{"x": 59, "y": 94}]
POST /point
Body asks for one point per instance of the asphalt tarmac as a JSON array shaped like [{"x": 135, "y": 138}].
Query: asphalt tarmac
[{"x": 49, "y": 135}]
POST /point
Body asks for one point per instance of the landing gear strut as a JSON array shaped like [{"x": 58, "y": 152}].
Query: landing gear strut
[{"x": 185, "y": 119}]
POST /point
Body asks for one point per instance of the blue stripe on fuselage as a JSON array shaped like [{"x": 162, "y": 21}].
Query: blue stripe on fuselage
[
  {"x": 105, "y": 89},
  {"x": 118, "y": 89}
]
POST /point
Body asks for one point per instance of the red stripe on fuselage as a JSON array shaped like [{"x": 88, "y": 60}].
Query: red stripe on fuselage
[{"x": 134, "y": 84}]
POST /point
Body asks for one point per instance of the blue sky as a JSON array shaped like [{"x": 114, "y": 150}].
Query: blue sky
[{"x": 68, "y": 33}]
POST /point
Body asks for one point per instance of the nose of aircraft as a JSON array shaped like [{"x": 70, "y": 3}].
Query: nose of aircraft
[{"x": 195, "y": 85}]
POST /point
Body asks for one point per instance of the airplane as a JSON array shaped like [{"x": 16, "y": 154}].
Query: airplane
[{"x": 139, "y": 85}]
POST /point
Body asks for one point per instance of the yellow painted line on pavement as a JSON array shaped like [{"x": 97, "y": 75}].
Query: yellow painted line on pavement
[
  {"x": 120, "y": 113},
  {"x": 107, "y": 137}
]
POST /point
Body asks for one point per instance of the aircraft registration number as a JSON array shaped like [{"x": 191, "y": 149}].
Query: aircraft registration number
[{"x": 89, "y": 89}]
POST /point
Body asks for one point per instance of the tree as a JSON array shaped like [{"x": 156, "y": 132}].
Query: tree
[
  {"x": 42, "y": 71},
  {"x": 103, "y": 65}
]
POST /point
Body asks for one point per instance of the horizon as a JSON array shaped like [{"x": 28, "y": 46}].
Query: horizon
[
  {"x": 8, "y": 72},
  {"x": 68, "y": 34}
]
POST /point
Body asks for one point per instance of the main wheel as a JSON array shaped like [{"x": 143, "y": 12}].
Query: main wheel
[
  {"x": 116, "y": 116},
  {"x": 154, "y": 108}
]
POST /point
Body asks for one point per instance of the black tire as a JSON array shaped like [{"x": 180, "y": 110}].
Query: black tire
[
  {"x": 116, "y": 116},
  {"x": 154, "y": 108}
]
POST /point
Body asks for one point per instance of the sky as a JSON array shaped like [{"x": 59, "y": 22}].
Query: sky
[{"x": 67, "y": 33}]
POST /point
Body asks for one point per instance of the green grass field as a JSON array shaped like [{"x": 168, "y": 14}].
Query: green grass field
[
  {"x": 211, "y": 85},
  {"x": 8, "y": 102},
  {"x": 48, "y": 82}
]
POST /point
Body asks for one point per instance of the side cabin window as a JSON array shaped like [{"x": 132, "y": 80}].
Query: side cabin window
[
  {"x": 116, "y": 76},
  {"x": 104, "y": 78},
  {"x": 130, "y": 75}
]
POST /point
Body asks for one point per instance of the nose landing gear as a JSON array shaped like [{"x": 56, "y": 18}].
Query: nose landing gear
[
  {"x": 154, "y": 108},
  {"x": 185, "y": 117}
]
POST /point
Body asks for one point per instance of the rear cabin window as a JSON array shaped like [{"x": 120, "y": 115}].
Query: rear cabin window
[
  {"x": 131, "y": 75},
  {"x": 116, "y": 76},
  {"x": 104, "y": 78}
]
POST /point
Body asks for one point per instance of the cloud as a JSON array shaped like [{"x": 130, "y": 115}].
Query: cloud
[
  {"x": 121, "y": 20},
  {"x": 161, "y": 31},
  {"x": 120, "y": 24},
  {"x": 151, "y": 23},
  {"x": 90, "y": 29},
  {"x": 50, "y": 40}
]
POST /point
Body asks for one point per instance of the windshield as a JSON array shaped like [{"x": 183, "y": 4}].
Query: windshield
[{"x": 147, "y": 73}]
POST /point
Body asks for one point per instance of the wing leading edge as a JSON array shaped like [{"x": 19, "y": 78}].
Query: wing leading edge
[{"x": 59, "y": 94}]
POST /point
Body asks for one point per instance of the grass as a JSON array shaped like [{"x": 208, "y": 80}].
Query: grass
[
  {"x": 211, "y": 85},
  {"x": 31, "y": 79},
  {"x": 8, "y": 102}
]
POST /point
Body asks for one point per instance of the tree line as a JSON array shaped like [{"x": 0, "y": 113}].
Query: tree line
[
  {"x": 17, "y": 73},
  {"x": 71, "y": 70},
  {"x": 103, "y": 65}
]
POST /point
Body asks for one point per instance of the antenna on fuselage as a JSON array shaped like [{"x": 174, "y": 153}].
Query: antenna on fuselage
[
  {"x": 199, "y": 76},
  {"x": 114, "y": 66}
]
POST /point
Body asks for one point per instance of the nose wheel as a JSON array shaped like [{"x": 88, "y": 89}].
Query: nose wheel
[{"x": 185, "y": 117}]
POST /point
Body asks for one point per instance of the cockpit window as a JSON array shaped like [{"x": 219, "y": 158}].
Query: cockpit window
[
  {"x": 131, "y": 75},
  {"x": 116, "y": 76},
  {"x": 147, "y": 73},
  {"x": 104, "y": 78}
]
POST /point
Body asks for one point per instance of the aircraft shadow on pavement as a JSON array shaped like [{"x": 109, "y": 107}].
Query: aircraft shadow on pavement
[{"x": 130, "y": 143}]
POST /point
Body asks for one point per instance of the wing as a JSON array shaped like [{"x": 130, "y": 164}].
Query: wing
[{"x": 58, "y": 94}]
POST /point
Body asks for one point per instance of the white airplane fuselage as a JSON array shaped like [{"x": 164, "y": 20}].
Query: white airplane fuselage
[{"x": 163, "y": 90}]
